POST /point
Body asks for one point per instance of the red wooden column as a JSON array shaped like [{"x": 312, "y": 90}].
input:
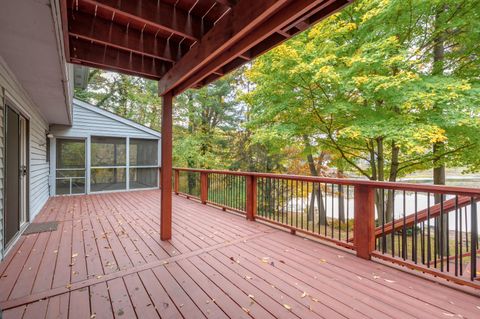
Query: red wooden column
[
  {"x": 364, "y": 222},
  {"x": 251, "y": 192},
  {"x": 166, "y": 172}
]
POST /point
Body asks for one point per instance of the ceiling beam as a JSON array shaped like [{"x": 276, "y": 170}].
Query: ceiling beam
[
  {"x": 243, "y": 17},
  {"x": 109, "y": 58},
  {"x": 228, "y": 3},
  {"x": 265, "y": 32},
  {"x": 161, "y": 16},
  {"x": 101, "y": 31}
]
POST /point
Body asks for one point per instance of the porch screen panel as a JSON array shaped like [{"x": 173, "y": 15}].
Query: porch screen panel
[
  {"x": 108, "y": 163},
  {"x": 143, "y": 155},
  {"x": 70, "y": 167}
]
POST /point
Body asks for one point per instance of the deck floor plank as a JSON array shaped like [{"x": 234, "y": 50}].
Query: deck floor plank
[{"x": 106, "y": 260}]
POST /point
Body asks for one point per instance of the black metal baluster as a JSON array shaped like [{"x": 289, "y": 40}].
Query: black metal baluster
[
  {"x": 348, "y": 212},
  {"x": 414, "y": 232},
  {"x": 333, "y": 210},
  {"x": 393, "y": 223},
  {"x": 474, "y": 238},
  {"x": 456, "y": 235},
  {"x": 308, "y": 203},
  {"x": 296, "y": 203},
  {"x": 384, "y": 236},
  {"x": 302, "y": 206},
  {"x": 461, "y": 242},
  {"x": 325, "y": 200},
  {"x": 442, "y": 231},
  {"x": 404, "y": 228},
  {"x": 429, "y": 244}
]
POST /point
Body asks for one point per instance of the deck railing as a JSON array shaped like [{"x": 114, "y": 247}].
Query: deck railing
[{"x": 429, "y": 228}]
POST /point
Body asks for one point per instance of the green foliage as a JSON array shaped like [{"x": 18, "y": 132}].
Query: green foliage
[{"x": 364, "y": 86}]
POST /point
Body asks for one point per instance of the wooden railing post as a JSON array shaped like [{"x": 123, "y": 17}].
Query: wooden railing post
[
  {"x": 176, "y": 180},
  {"x": 203, "y": 187},
  {"x": 364, "y": 222},
  {"x": 251, "y": 196}
]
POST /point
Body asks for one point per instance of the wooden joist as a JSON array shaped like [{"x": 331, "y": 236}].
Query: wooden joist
[
  {"x": 241, "y": 20},
  {"x": 91, "y": 54},
  {"x": 237, "y": 33},
  {"x": 160, "y": 15},
  {"x": 109, "y": 33}
]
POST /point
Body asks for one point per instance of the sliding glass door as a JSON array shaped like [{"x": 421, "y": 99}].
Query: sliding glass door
[{"x": 70, "y": 166}]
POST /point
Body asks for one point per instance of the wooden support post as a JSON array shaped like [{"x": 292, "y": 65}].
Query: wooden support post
[
  {"x": 166, "y": 178},
  {"x": 176, "y": 180},
  {"x": 364, "y": 223},
  {"x": 203, "y": 187},
  {"x": 251, "y": 196}
]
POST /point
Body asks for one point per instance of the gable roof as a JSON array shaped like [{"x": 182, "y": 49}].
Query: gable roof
[{"x": 115, "y": 117}]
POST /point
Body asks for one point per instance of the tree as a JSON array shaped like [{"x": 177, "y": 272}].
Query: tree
[{"x": 359, "y": 85}]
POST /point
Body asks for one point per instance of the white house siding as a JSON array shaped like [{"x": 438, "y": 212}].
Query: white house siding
[
  {"x": 90, "y": 123},
  {"x": 38, "y": 127}
]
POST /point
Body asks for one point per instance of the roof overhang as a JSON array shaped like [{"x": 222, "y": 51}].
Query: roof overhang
[
  {"x": 32, "y": 47},
  {"x": 182, "y": 43}
]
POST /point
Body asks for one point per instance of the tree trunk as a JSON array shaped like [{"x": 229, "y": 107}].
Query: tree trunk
[
  {"x": 441, "y": 224},
  {"x": 314, "y": 172}
]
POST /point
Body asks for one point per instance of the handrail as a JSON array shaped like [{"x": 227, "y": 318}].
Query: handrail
[{"x": 439, "y": 189}]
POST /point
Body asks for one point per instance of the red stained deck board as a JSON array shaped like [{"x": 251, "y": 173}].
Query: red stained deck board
[{"x": 110, "y": 234}]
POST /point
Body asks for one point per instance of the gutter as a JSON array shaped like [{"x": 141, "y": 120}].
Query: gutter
[{"x": 67, "y": 70}]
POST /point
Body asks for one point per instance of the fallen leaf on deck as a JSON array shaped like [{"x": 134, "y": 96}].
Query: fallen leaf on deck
[
  {"x": 287, "y": 306},
  {"x": 376, "y": 277},
  {"x": 93, "y": 316},
  {"x": 74, "y": 255},
  {"x": 251, "y": 296},
  {"x": 265, "y": 260},
  {"x": 248, "y": 277},
  {"x": 304, "y": 294},
  {"x": 448, "y": 314},
  {"x": 322, "y": 261},
  {"x": 246, "y": 310},
  {"x": 390, "y": 281}
]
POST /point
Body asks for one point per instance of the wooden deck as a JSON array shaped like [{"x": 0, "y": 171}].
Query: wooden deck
[{"x": 106, "y": 261}]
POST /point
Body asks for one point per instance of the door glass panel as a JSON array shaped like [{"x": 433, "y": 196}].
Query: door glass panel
[
  {"x": 70, "y": 169},
  {"x": 12, "y": 175}
]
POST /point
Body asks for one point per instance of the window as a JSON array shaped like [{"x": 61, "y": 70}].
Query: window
[
  {"x": 70, "y": 167},
  {"x": 143, "y": 163},
  {"x": 108, "y": 163}
]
